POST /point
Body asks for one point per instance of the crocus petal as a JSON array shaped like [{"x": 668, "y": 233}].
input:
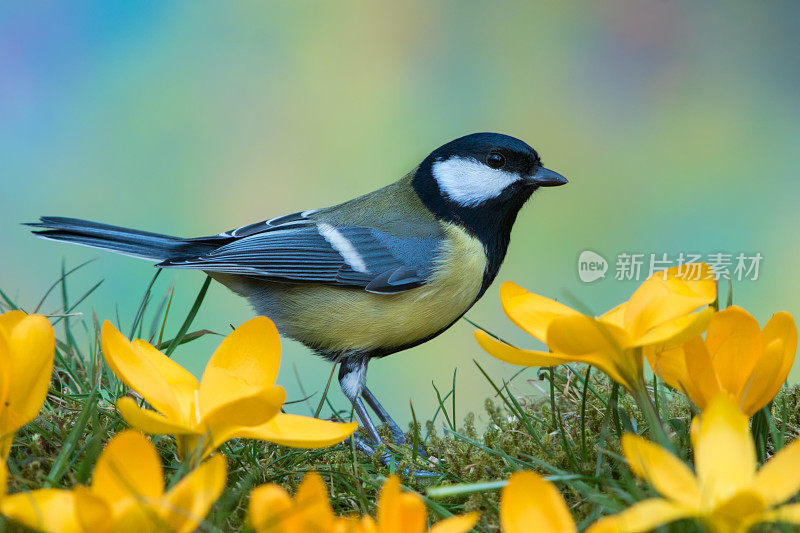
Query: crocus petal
[
  {"x": 530, "y": 499},
  {"x": 180, "y": 380},
  {"x": 667, "y": 295},
  {"x": 666, "y": 473},
  {"x": 269, "y": 508},
  {"x": 721, "y": 438},
  {"x": 149, "y": 421},
  {"x": 579, "y": 335},
  {"x": 677, "y": 330},
  {"x": 188, "y": 502},
  {"x": 591, "y": 341},
  {"x": 93, "y": 513},
  {"x": 781, "y": 326},
  {"x": 615, "y": 316},
  {"x": 3, "y": 479},
  {"x": 618, "y": 369},
  {"x": 49, "y": 510},
  {"x": 642, "y": 516},
  {"x": 668, "y": 362},
  {"x": 311, "y": 501},
  {"x": 299, "y": 431},
  {"x": 775, "y": 482},
  {"x": 10, "y": 319},
  {"x": 787, "y": 514},
  {"x": 531, "y": 312},
  {"x": 516, "y": 356},
  {"x": 31, "y": 344},
  {"x": 6, "y": 428},
  {"x": 133, "y": 515},
  {"x": 128, "y": 467},
  {"x": 138, "y": 373},
  {"x": 224, "y": 421},
  {"x": 759, "y": 388},
  {"x": 364, "y": 524},
  {"x": 456, "y": 524},
  {"x": 400, "y": 512},
  {"x": 733, "y": 513},
  {"x": 251, "y": 410},
  {"x": 734, "y": 344},
  {"x": 245, "y": 363},
  {"x": 701, "y": 383},
  {"x": 352, "y": 524}
]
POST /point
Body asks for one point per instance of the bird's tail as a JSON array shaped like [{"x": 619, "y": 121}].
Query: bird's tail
[{"x": 135, "y": 243}]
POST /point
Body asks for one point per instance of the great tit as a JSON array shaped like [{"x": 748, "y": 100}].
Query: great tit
[{"x": 371, "y": 276}]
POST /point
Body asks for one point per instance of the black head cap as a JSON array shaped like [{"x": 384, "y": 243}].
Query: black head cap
[
  {"x": 519, "y": 156},
  {"x": 482, "y": 171}
]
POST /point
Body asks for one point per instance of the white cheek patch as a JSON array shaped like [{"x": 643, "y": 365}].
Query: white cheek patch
[{"x": 470, "y": 182}]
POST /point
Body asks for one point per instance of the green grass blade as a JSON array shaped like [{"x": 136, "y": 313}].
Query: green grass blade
[
  {"x": 415, "y": 433},
  {"x": 137, "y": 319},
  {"x": 9, "y": 303},
  {"x": 450, "y": 423},
  {"x": 166, "y": 314},
  {"x": 453, "y": 396},
  {"x": 189, "y": 337},
  {"x": 435, "y": 416},
  {"x": 584, "y": 450},
  {"x": 189, "y": 318},
  {"x": 566, "y": 445},
  {"x": 68, "y": 447},
  {"x": 78, "y": 302},
  {"x": 58, "y": 281},
  {"x": 325, "y": 393},
  {"x": 514, "y": 407}
]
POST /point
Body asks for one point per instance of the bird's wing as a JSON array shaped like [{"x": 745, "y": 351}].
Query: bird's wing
[
  {"x": 295, "y": 248},
  {"x": 283, "y": 222}
]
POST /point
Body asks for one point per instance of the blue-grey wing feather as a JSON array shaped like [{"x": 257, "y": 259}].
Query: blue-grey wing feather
[{"x": 292, "y": 249}]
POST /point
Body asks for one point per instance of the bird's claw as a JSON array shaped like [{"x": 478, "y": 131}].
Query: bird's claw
[{"x": 387, "y": 459}]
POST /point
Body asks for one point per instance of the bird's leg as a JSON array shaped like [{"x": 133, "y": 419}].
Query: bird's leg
[
  {"x": 352, "y": 374},
  {"x": 369, "y": 425},
  {"x": 398, "y": 435}
]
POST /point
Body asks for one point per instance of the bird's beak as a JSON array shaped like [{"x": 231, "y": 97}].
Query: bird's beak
[{"x": 544, "y": 177}]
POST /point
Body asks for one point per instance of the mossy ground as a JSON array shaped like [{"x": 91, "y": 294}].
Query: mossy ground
[{"x": 570, "y": 433}]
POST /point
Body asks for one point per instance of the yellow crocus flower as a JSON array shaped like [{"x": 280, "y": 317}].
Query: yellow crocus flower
[
  {"x": 272, "y": 510},
  {"x": 726, "y": 491},
  {"x": 27, "y": 345},
  {"x": 530, "y": 501},
  {"x": 736, "y": 356},
  {"x": 126, "y": 494},
  {"x": 405, "y": 512},
  {"x": 236, "y": 396},
  {"x": 660, "y": 311}
]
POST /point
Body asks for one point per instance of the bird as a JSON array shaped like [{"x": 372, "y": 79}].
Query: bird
[{"x": 369, "y": 277}]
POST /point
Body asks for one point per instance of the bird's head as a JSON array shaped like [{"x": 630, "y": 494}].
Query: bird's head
[{"x": 482, "y": 178}]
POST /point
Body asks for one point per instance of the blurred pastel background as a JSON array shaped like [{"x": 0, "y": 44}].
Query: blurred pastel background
[{"x": 676, "y": 122}]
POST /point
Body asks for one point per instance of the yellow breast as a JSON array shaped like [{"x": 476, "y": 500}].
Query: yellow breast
[{"x": 338, "y": 319}]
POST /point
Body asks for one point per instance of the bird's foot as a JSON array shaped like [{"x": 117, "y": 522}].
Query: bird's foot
[
  {"x": 398, "y": 435},
  {"x": 361, "y": 444},
  {"x": 400, "y": 439},
  {"x": 388, "y": 459}
]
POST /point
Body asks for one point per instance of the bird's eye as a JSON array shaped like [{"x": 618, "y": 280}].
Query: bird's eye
[{"x": 495, "y": 160}]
